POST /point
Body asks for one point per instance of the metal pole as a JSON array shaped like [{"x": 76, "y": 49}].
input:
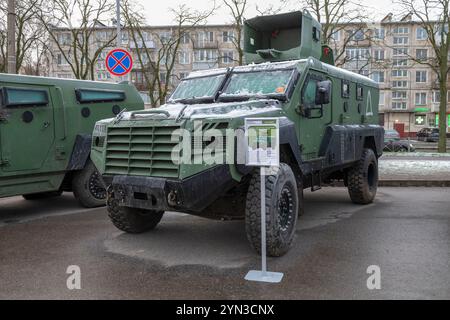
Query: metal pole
[
  {"x": 119, "y": 31},
  {"x": 263, "y": 221},
  {"x": 12, "y": 36}
]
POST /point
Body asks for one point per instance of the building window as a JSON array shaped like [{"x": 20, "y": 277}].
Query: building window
[
  {"x": 378, "y": 76},
  {"x": 336, "y": 35},
  {"x": 422, "y": 54},
  {"x": 60, "y": 60},
  {"x": 379, "y": 33},
  {"x": 185, "y": 38},
  {"x": 64, "y": 39},
  {"x": 400, "y": 30},
  {"x": 357, "y": 53},
  {"x": 228, "y": 36},
  {"x": 382, "y": 98},
  {"x": 401, "y": 40},
  {"x": 421, "y": 34},
  {"x": 399, "y": 95},
  {"x": 163, "y": 77},
  {"x": 400, "y": 52},
  {"x": 185, "y": 57},
  {"x": 378, "y": 54},
  {"x": 206, "y": 36},
  {"x": 228, "y": 57},
  {"x": 398, "y": 73},
  {"x": 400, "y": 84},
  {"x": 436, "y": 97},
  {"x": 399, "y": 106},
  {"x": 183, "y": 75},
  {"x": 358, "y": 35},
  {"x": 421, "y": 99},
  {"x": 205, "y": 55},
  {"x": 400, "y": 62},
  {"x": 421, "y": 76}
]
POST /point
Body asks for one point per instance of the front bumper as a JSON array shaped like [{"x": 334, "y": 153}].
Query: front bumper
[{"x": 192, "y": 195}]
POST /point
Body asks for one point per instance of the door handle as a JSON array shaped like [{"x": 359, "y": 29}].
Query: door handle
[{"x": 46, "y": 124}]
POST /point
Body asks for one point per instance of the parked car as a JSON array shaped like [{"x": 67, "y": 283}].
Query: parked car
[
  {"x": 428, "y": 135},
  {"x": 393, "y": 143},
  {"x": 391, "y": 135}
]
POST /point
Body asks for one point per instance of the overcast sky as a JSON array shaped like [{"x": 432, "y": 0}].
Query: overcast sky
[{"x": 157, "y": 11}]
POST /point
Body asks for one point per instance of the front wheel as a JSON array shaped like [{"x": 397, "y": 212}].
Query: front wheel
[
  {"x": 88, "y": 187},
  {"x": 131, "y": 220},
  {"x": 363, "y": 179},
  {"x": 282, "y": 210}
]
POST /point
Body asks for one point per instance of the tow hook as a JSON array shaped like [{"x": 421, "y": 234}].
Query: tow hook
[{"x": 172, "y": 199}]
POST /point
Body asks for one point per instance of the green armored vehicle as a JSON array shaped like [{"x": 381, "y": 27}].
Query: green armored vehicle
[
  {"x": 46, "y": 132},
  {"x": 160, "y": 160}
]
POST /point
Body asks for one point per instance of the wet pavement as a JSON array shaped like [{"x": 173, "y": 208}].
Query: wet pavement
[{"x": 406, "y": 233}]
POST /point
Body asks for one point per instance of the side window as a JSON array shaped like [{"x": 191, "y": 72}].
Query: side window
[
  {"x": 22, "y": 97},
  {"x": 99, "y": 96},
  {"x": 345, "y": 89},
  {"x": 309, "y": 93},
  {"x": 359, "y": 93}
]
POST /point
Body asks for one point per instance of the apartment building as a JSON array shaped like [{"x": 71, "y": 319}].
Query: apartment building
[
  {"x": 202, "y": 47},
  {"x": 387, "y": 52}
]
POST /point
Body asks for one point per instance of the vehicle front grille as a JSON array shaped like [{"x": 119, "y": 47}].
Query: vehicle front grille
[{"x": 141, "y": 151}]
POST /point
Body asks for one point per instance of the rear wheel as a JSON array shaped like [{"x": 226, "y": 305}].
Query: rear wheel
[
  {"x": 89, "y": 187},
  {"x": 363, "y": 179},
  {"x": 43, "y": 195},
  {"x": 282, "y": 210},
  {"x": 131, "y": 220}
]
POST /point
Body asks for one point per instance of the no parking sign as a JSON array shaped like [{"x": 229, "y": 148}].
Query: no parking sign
[{"x": 119, "y": 62}]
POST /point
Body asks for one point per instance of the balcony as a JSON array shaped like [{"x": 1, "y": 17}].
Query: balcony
[
  {"x": 149, "y": 44},
  {"x": 206, "y": 44},
  {"x": 205, "y": 65}
]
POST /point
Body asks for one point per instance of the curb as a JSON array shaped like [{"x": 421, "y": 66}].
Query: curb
[{"x": 415, "y": 183}]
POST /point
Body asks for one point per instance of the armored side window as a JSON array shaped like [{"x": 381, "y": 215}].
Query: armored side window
[
  {"x": 99, "y": 96},
  {"x": 22, "y": 97},
  {"x": 345, "y": 89},
  {"x": 359, "y": 93}
]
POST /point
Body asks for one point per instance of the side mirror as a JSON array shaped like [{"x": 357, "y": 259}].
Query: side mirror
[{"x": 323, "y": 93}]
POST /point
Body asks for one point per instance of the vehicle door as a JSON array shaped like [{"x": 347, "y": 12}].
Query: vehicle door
[
  {"x": 26, "y": 127},
  {"x": 314, "y": 118}
]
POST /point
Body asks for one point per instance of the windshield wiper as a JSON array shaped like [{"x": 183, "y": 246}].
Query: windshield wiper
[
  {"x": 193, "y": 100},
  {"x": 233, "y": 98}
]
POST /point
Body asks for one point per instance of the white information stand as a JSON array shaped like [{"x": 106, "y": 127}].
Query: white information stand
[{"x": 263, "y": 150}]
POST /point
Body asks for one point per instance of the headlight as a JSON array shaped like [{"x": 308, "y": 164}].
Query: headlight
[{"x": 100, "y": 130}]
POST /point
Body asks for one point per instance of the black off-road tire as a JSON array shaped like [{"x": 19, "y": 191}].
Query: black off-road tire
[
  {"x": 363, "y": 179},
  {"x": 41, "y": 196},
  {"x": 88, "y": 187},
  {"x": 282, "y": 206},
  {"x": 131, "y": 220}
]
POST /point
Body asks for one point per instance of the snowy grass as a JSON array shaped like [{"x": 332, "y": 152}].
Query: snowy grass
[
  {"x": 416, "y": 154},
  {"x": 415, "y": 169}
]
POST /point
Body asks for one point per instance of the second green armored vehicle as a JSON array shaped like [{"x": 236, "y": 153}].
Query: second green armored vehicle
[
  {"x": 46, "y": 134},
  {"x": 160, "y": 160}
]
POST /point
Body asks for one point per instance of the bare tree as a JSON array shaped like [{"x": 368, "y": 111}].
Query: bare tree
[
  {"x": 157, "y": 53},
  {"x": 237, "y": 9},
  {"x": 434, "y": 17},
  {"x": 79, "y": 30},
  {"x": 3, "y": 42},
  {"x": 29, "y": 30}
]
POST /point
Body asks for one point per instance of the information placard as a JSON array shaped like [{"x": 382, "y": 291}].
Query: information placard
[{"x": 262, "y": 137}]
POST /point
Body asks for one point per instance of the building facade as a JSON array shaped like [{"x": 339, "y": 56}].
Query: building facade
[
  {"x": 201, "y": 47},
  {"x": 384, "y": 51},
  {"x": 388, "y": 52}
]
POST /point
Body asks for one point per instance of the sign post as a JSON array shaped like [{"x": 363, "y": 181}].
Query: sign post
[{"x": 263, "y": 151}]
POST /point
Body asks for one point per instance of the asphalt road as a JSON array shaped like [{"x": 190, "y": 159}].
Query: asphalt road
[{"x": 406, "y": 233}]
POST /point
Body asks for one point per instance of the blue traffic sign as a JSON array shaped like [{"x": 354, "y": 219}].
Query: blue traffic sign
[{"x": 119, "y": 62}]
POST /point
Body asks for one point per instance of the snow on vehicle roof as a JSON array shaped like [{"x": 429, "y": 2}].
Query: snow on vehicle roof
[{"x": 247, "y": 68}]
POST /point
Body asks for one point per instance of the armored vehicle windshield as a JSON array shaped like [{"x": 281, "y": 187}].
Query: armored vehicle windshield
[{"x": 198, "y": 89}]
